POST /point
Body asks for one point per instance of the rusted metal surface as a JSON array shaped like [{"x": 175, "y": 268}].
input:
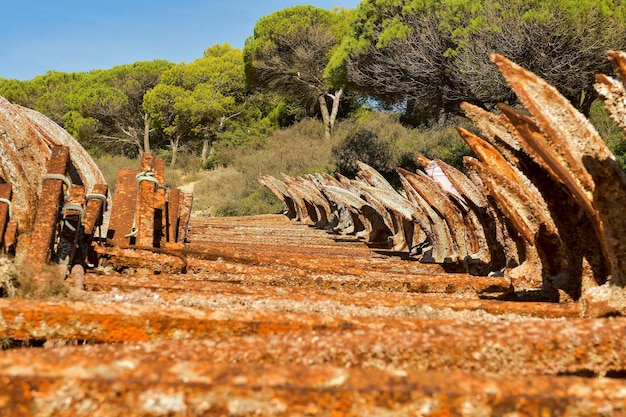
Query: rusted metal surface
[
  {"x": 44, "y": 227},
  {"x": 258, "y": 288},
  {"x": 539, "y": 347},
  {"x": 147, "y": 221},
  {"x": 246, "y": 390},
  {"x": 524, "y": 207},
  {"x": 26, "y": 141},
  {"x": 160, "y": 201},
  {"x": 550, "y": 215},
  {"x": 612, "y": 91},
  {"x": 123, "y": 221},
  {"x": 95, "y": 207},
  {"x": 359, "y": 315},
  {"x": 185, "y": 204},
  {"x": 71, "y": 247},
  {"x": 10, "y": 237},
  {"x": 6, "y": 209},
  {"x": 118, "y": 322},
  {"x": 443, "y": 248},
  {"x": 133, "y": 256},
  {"x": 278, "y": 308},
  {"x": 20, "y": 142},
  {"x": 173, "y": 214},
  {"x": 578, "y": 156},
  {"x": 145, "y": 208}
]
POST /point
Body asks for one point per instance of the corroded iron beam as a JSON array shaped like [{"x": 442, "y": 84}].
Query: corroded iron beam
[
  {"x": 26, "y": 142},
  {"x": 198, "y": 388},
  {"x": 531, "y": 347},
  {"x": 186, "y": 204},
  {"x": 578, "y": 157},
  {"x": 6, "y": 209},
  {"x": 44, "y": 227},
  {"x": 253, "y": 288},
  {"x": 277, "y": 187},
  {"x": 173, "y": 214},
  {"x": 122, "y": 223},
  {"x": 95, "y": 206},
  {"x": 145, "y": 213},
  {"x": 444, "y": 248}
]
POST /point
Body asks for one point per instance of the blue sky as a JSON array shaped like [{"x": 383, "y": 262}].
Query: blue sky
[{"x": 75, "y": 36}]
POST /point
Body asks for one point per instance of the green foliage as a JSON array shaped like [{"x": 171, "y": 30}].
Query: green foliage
[
  {"x": 288, "y": 53},
  {"x": 436, "y": 52},
  {"x": 232, "y": 189},
  {"x": 612, "y": 135},
  {"x": 206, "y": 102},
  {"x": 362, "y": 145},
  {"x": 400, "y": 144},
  {"x": 113, "y": 99},
  {"x": 14, "y": 90},
  {"x": 166, "y": 104},
  {"x": 45, "y": 93}
]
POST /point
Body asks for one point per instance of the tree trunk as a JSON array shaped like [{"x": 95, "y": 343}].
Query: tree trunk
[
  {"x": 205, "y": 150},
  {"x": 146, "y": 134},
  {"x": 174, "y": 142},
  {"x": 330, "y": 118},
  {"x": 328, "y": 130},
  {"x": 333, "y": 115},
  {"x": 587, "y": 100},
  {"x": 139, "y": 146}
]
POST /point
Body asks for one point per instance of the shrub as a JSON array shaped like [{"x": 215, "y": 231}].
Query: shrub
[
  {"x": 17, "y": 281},
  {"x": 440, "y": 141},
  {"x": 612, "y": 135},
  {"x": 378, "y": 139},
  {"x": 363, "y": 145},
  {"x": 111, "y": 164}
]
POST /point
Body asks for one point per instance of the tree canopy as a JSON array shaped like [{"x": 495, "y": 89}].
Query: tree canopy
[
  {"x": 434, "y": 54},
  {"x": 106, "y": 106},
  {"x": 289, "y": 52},
  {"x": 203, "y": 100},
  {"x": 424, "y": 56}
]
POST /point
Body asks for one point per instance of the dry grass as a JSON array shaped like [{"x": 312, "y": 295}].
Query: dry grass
[
  {"x": 441, "y": 142},
  {"x": 110, "y": 165},
  {"x": 219, "y": 191},
  {"x": 188, "y": 169},
  {"x": 232, "y": 188},
  {"x": 35, "y": 283},
  {"x": 8, "y": 278},
  {"x": 25, "y": 281}
]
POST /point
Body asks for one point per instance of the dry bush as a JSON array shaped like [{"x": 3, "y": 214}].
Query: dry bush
[
  {"x": 296, "y": 150},
  {"x": 8, "y": 278},
  {"x": 187, "y": 170},
  {"x": 609, "y": 131},
  {"x": 111, "y": 164},
  {"x": 219, "y": 191},
  {"x": 24, "y": 280},
  {"x": 440, "y": 141},
  {"x": 302, "y": 148},
  {"x": 45, "y": 284}
]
